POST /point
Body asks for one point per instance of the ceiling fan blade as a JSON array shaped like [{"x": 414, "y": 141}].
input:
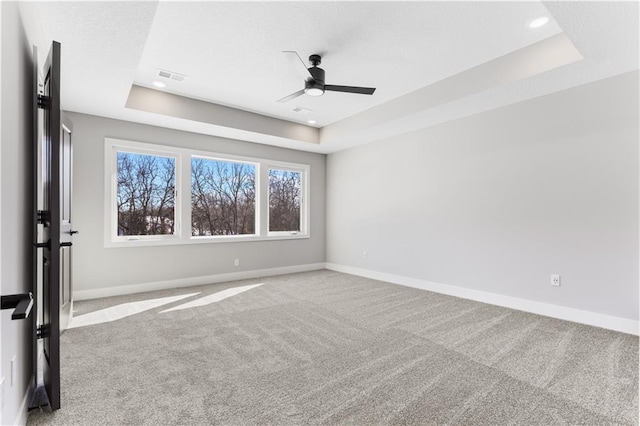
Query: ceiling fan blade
[
  {"x": 298, "y": 63},
  {"x": 291, "y": 96},
  {"x": 350, "y": 89}
]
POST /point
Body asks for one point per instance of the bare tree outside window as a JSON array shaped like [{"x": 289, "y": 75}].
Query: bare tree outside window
[
  {"x": 222, "y": 197},
  {"x": 225, "y": 196},
  {"x": 146, "y": 194},
  {"x": 284, "y": 200}
]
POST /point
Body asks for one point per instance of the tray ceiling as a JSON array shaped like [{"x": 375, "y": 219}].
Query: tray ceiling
[{"x": 430, "y": 62}]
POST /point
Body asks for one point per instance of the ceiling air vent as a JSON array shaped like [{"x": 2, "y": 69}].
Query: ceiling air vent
[
  {"x": 300, "y": 110},
  {"x": 171, "y": 75}
]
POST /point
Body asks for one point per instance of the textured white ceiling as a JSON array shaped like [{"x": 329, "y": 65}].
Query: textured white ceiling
[
  {"x": 102, "y": 43},
  {"x": 231, "y": 55},
  {"x": 231, "y": 52}
]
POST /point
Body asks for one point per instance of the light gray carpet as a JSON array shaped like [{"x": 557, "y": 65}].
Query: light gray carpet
[{"x": 329, "y": 348}]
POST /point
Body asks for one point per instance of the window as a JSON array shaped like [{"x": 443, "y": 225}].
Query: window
[
  {"x": 222, "y": 197},
  {"x": 285, "y": 192},
  {"x": 158, "y": 195},
  {"x": 145, "y": 194}
]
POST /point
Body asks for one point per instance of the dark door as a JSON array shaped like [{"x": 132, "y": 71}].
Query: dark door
[{"x": 49, "y": 219}]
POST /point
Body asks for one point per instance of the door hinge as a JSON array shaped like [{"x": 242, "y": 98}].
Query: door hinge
[
  {"x": 43, "y": 217},
  {"x": 42, "y": 331},
  {"x": 46, "y": 244},
  {"x": 43, "y": 101}
]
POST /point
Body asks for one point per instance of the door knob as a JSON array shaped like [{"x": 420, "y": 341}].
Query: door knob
[{"x": 73, "y": 232}]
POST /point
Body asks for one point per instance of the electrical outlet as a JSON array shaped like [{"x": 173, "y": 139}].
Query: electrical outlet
[
  {"x": 364, "y": 254},
  {"x": 555, "y": 280},
  {"x": 14, "y": 370},
  {"x": 236, "y": 262}
]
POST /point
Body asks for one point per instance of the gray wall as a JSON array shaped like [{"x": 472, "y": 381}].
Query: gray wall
[
  {"x": 15, "y": 203},
  {"x": 499, "y": 201},
  {"x": 97, "y": 267}
]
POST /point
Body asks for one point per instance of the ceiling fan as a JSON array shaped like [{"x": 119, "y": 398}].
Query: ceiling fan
[{"x": 314, "y": 79}]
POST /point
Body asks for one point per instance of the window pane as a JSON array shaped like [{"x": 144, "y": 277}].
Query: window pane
[
  {"x": 284, "y": 200},
  {"x": 222, "y": 197},
  {"x": 146, "y": 194}
]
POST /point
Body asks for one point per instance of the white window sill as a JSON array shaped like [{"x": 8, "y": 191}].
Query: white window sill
[{"x": 172, "y": 241}]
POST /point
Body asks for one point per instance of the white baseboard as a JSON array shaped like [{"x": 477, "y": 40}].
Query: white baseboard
[
  {"x": 23, "y": 412},
  {"x": 192, "y": 281},
  {"x": 561, "y": 312}
]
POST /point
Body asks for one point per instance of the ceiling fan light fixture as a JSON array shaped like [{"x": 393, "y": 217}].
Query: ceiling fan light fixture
[{"x": 314, "y": 91}]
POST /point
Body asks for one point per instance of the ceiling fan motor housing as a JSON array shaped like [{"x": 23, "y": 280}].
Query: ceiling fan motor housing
[
  {"x": 317, "y": 82},
  {"x": 318, "y": 74}
]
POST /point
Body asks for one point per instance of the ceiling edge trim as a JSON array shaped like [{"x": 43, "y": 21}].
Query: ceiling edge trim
[{"x": 168, "y": 104}]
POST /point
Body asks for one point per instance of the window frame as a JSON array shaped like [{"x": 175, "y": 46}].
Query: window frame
[
  {"x": 142, "y": 149},
  {"x": 304, "y": 211},
  {"x": 182, "y": 205}
]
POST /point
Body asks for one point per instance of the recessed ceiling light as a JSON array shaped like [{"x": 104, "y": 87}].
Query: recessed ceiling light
[
  {"x": 538, "y": 22},
  {"x": 311, "y": 121},
  {"x": 159, "y": 84}
]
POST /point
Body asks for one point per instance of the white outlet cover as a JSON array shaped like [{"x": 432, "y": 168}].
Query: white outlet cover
[{"x": 555, "y": 280}]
